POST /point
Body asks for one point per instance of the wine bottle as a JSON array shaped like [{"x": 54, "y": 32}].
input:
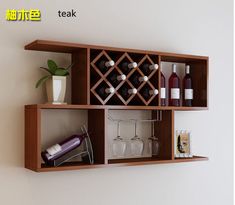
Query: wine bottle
[
  {"x": 137, "y": 80},
  {"x": 163, "y": 90},
  {"x": 147, "y": 93},
  {"x": 115, "y": 79},
  {"x": 104, "y": 92},
  {"x": 187, "y": 88},
  {"x": 148, "y": 68},
  {"x": 126, "y": 67},
  {"x": 174, "y": 88},
  {"x": 104, "y": 65},
  {"x": 126, "y": 93},
  {"x": 65, "y": 146}
]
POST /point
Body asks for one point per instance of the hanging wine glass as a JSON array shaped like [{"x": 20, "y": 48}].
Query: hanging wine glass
[
  {"x": 137, "y": 144},
  {"x": 118, "y": 145},
  {"x": 153, "y": 142}
]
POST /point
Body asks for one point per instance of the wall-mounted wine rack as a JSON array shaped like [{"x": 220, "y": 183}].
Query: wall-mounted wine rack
[{"x": 88, "y": 78}]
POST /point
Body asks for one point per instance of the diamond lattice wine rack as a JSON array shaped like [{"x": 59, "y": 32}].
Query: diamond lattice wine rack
[
  {"x": 106, "y": 79},
  {"x": 101, "y": 79}
]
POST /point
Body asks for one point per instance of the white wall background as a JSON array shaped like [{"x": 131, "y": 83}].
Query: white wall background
[{"x": 193, "y": 27}]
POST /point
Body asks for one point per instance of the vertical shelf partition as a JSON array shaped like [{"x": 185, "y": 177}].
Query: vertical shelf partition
[
  {"x": 80, "y": 76},
  {"x": 96, "y": 128},
  {"x": 87, "y": 78}
]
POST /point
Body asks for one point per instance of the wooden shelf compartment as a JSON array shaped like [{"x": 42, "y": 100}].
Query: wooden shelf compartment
[
  {"x": 34, "y": 135},
  {"x": 163, "y": 130},
  {"x": 85, "y": 73},
  {"x": 198, "y": 72}
]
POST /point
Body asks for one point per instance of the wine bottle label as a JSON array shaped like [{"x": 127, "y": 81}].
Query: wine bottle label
[
  {"x": 175, "y": 93},
  {"x": 188, "y": 94},
  {"x": 54, "y": 149},
  {"x": 163, "y": 93}
]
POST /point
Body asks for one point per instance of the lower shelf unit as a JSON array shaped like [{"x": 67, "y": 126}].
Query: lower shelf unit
[{"x": 97, "y": 122}]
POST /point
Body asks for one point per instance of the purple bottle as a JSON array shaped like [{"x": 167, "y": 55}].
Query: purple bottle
[{"x": 58, "y": 150}]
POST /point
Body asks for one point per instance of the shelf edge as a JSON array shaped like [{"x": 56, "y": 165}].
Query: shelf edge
[
  {"x": 71, "y": 168},
  {"x": 75, "y": 46},
  {"x": 112, "y": 107}
]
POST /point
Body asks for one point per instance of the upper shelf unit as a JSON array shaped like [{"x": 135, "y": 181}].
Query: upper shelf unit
[{"x": 86, "y": 74}]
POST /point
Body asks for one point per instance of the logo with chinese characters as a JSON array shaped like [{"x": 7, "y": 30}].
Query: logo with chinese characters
[{"x": 23, "y": 15}]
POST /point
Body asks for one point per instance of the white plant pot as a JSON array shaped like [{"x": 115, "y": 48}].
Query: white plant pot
[{"x": 56, "y": 87}]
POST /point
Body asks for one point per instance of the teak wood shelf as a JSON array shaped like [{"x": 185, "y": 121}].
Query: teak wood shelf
[{"x": 86, "y": 79}]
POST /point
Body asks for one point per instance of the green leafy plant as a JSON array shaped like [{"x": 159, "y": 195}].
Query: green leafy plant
[{"x": 52, "y": 69}]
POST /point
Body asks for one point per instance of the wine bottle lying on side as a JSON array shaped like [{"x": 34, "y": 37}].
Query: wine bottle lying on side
[{"x": 65, "y": 146}]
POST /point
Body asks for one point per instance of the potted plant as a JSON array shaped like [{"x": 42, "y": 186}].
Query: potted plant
[{"x": 55, "y": 82}]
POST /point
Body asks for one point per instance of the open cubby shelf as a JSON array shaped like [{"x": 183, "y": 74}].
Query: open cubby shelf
[{"x": 85, "y": 74}]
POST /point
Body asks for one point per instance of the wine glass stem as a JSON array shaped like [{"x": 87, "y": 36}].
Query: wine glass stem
[
  {"x": 135, "y": 127},
  {"x": 118, "y": 128},
  {"x": 153, "y": 129}
]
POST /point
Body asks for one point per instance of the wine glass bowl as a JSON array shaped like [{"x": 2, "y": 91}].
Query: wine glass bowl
[
  {"x": 136, "y": 144},
  {"x": 118, "y": 145},
  {"x": 153, "y": 143}
]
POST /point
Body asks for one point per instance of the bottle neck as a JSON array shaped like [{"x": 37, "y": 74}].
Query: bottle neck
[
  {"x": 132, "y": 65},
  {"x": 109, "y": 90},
  {"x": 143, "y": 78},
  {"x": 132, "y": 91},
  {"x": 187, "y": 69},
  {"x": 153, "y": 67},
  {"x": 121, "y": 77},
  {"x": 153, "y": 92},
  {"x": 173, "y": 68},
  {"x": 109, "y": 63}
]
